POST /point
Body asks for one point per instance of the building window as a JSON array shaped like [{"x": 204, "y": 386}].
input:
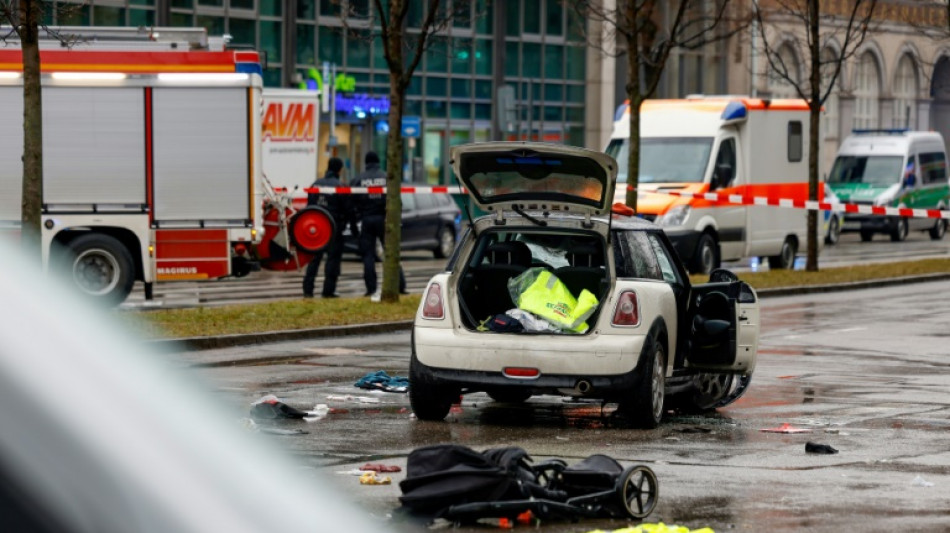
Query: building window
[
  {"x": 829, "y": 117},
  {"x": 786, "y": 66},
  {"x": 532, "y": 16},
  {"x": 905, "y": 94},
  {"x": 866, "y": 91}
]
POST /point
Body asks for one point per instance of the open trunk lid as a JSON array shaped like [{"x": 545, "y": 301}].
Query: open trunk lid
[{"x": 500, "y": 175}]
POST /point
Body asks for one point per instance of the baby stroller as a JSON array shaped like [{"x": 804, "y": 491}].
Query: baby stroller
[{"x": 461, "y": 485}]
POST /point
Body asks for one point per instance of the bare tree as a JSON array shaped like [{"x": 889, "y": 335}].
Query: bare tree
[
  {"x": 403, "y": 50},
  {"x": 649, "y": 31},
  {"x": 813, "y": 28},
  {"x": 25, "y": 16}
]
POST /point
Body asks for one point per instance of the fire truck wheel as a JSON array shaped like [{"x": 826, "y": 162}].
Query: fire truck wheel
[
  {"x": 101, "y": 267},
  {"x": 311, "y": 229}
]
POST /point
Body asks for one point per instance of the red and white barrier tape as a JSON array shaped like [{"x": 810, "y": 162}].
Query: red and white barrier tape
[
  {"x": 739, "y": 199},
  {"x": 444, "y": 189},
  {"x": 736, "y": 199}
]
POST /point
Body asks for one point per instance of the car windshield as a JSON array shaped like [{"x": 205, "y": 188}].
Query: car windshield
[
  {"x": 881, "y": 171},
  {"x": 665, "y": 159}
]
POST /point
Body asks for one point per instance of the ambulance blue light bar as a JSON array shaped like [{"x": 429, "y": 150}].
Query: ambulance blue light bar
[{"x": 735, "y": 111}]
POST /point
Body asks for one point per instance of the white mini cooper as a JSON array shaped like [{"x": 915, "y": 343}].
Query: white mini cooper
[{"x": 654, "y": 340}]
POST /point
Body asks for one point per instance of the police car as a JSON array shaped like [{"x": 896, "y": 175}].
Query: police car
[{"x": 651, "y": 341}]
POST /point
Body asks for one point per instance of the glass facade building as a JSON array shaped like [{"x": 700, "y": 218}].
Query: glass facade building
[{"x": 533, "y": 46}]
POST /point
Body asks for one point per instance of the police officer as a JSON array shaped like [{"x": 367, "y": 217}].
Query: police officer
[
  {"x": 371, "y": 208},
  {"x": 338, "y": 206}
]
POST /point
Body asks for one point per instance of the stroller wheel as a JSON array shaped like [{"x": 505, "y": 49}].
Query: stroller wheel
[{"x": 639, "y": 490}]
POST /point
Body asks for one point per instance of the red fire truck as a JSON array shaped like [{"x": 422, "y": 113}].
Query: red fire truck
[{"x": 151, "y": 158}]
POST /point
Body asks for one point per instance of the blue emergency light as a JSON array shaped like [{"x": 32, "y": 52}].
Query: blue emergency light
[{"x": 735, "y": 111}]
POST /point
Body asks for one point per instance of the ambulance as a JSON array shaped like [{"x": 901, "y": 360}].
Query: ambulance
[{"x": 729, "y": 145}]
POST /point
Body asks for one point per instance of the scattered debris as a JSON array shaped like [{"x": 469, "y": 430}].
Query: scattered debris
[
  {"x": 354, "y": 472},
  {"x": 379, "y": 467},
  {"x": 270, "y": 407},
  {"x": 921, "y": 482},
  {"x": 353, "y": 399},
  {"x": 462, "y": 485},
  {"x": 370, "y": 478},
  {"x": 785, "y": 428},
  {"x": 380, "y": 380},
  {"x": 814, "y": 447}
]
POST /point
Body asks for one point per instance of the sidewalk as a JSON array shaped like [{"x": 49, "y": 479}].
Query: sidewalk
[{"x": 245, "y": 339}]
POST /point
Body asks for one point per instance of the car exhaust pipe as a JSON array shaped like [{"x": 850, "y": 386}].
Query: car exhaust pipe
[{"x": 583, "y": 386}]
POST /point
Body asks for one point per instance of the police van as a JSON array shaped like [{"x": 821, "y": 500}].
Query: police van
[{"x": 892, "y": 168}]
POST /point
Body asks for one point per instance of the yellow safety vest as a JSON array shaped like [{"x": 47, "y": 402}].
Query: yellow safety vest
[{"x": 550, "y": 299}]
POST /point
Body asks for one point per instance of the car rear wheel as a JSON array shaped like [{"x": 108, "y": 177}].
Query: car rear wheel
[
  {"x": 706, "y": 257},
  {"x": 429, "y": 401},
  {"x": 101, "y": 267},
  {"x": 446, "y": 246},
  {"x": 938, "y": 230},
  {"x": 786, "y": 258},
  {"x": 645, "y": 406},
  {"x": 900, "y": 231}
]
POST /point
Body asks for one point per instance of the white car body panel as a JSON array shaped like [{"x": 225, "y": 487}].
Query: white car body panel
[{"x": 606, "y": 350}]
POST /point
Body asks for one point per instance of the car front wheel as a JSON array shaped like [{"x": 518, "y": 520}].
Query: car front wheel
[
  {"x": 834, "y": 230},
  {"x": 645, "y": 407}
]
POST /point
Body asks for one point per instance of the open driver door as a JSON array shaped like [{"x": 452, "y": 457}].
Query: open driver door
[{"x": 723, "y": 318}]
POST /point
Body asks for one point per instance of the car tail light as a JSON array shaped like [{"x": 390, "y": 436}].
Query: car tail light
[
  {"x": 432, "y": 305},
  {"x": 520, "y": 372},
  {"x": 627, "y": 312}
]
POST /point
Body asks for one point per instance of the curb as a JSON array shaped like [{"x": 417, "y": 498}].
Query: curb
[
  {"x": 246, "y": 339},
  {"x": 854, "y": 285}
]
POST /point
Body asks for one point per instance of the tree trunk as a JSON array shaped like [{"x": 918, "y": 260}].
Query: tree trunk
[
  {"x": 635, "y": 99},
  {"x": 814, "y": 114},
  {"x": 398, "y": 81},
  {"x": 32, "y": 198},
  {"x": 393, "y": 198}
]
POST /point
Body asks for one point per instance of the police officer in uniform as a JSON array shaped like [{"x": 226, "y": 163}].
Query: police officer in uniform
[
  {"x": 371, "y": 208},
  {"x": 338, "y": 205}
]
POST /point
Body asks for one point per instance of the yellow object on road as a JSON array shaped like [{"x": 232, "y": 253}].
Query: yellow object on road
[
  {"x": 656, "y": 528},
  {"x": 370, "y": 478}
]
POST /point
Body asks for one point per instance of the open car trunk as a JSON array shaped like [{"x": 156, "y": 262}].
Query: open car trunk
[{"x": 576, "y": 259}]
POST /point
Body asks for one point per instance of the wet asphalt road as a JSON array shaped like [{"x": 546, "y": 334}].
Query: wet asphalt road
[
  {"x": 419, "y": 266},
  {"x": 867, "y": 372}
]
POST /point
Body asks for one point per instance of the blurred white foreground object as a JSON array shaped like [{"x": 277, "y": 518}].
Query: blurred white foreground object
[{"x": 101, "y": 435}]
